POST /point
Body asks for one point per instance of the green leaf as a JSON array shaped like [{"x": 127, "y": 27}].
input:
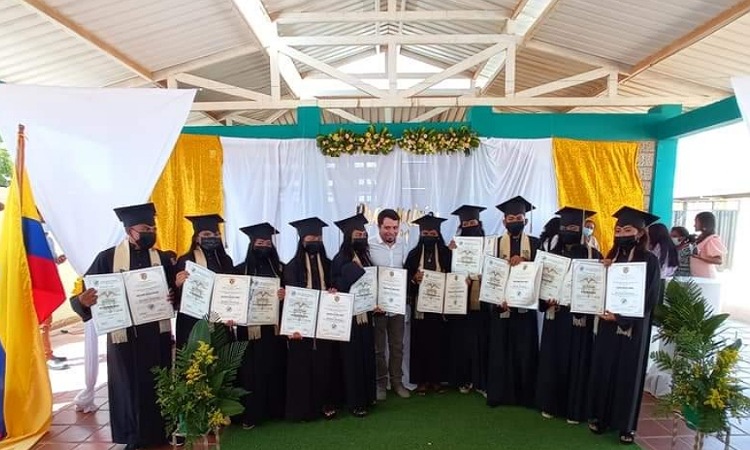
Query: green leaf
[
  {"x": 200, "y": 332},
  {"x": 231, "y": 407}
]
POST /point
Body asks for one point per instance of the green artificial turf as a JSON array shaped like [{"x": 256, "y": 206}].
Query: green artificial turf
[{"x": 435, "y": 422}]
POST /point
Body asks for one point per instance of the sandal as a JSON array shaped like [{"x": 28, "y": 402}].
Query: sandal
[
  {"x": 547, "y": 415},
  {"x": 438, "y": 388},
  {"x": 422, "y": 390},
  {"x": 627, "y": 438},
  {"x": 359, "y": 412},
  {"x": 594, "y": 428},
  {"x": 330, "y": 414}
]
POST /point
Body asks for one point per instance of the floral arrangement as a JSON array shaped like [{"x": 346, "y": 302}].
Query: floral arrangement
[
  {"x": 198, "y": 394},
  {"x": 420, "y": 141},
  {"x": 705, "y": 387}
]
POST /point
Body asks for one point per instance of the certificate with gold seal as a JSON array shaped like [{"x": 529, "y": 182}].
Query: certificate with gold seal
[
  {"x": 335, "y": 316},
  {"x": 148, "y": 295},
  {"x": 111, "y": 311},
  {"x": 300, "y": 312},
  {"x": 431, "y": 292},
  {"x": 392, "y": 290},
  {"x": 626, "y": 289},
  {"x": 456, "y": 294},
  {"x": 468, "y": 255},
  {"x": 196, "y": 292},
  {"x": 230, "y": 298},
  {"x": 523, "y": 285},
  {"x": 588, "y": 287},
  {"x": 494, "y": 280},
  {"x": 554, "y": 268},
  {"x": 263, "y": 308}
]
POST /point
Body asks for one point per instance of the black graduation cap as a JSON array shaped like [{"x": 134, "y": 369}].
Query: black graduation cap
[
  {"x": 208, "y": 222},
  {"x": 574, "y": 216},
  {"x": 355, "y": 222},
  {"x": 310, "y": 226},
  {"x": 468, "y": 212},
  {"x": 136, "y": 214},
  {"x": 260, "y": 231},
  {"x": 634, "y": 217},
  {"x": 516, "y": 205},
  {"x": 429, "y": 222}
]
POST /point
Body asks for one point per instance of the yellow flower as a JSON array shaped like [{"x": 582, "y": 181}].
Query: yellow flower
[{"x": 714, "y": 400}]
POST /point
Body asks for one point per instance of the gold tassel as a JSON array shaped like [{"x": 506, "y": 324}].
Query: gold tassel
[{"x": 253, "y": 333}]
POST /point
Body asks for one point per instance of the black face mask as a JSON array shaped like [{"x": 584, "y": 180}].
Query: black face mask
[
  {"x": 146, "y": 240},
  {"x": 262, "y": 252},
  {"x": 476, "y": 230},
  {"x": 359, "y": 244},
  {"x": 570, "y": 237},
  {"x": 515, "y": 228},
  {"x": 626, "y": 243},
  {"x": 210, "y": 243},
  {"x": 314, "y": 247},
  {"x": 430, "y": 240}
]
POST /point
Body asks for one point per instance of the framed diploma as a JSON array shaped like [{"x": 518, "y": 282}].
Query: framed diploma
[
  {"x": 148, "y": 295},
  {"x": 196, "y": 292},
  {"x": 523, "y": 285},
  {"x": 456, "y": 294},
  {"x": 588, "y": 287},
  {"x": 230, "y": 297},
  {"x": 392, "y": 290},
  {"x": 490, "y": 245},
  {"x": 300, "y": 312},
  {"x": 111, "y": 312},
  {"x": 468, "y": 255},
  {"x": 554, "y": 268},
  {"x": 263, "y": 307},
  {"x": 431, "y": 292},
  {"x": 566, "y": 293},
  {"x": 626, "y": 289},
  {"x": 494, "y": 280},
  {"x": 335, "y": 316},
  {"x": 365, "y": 291}
]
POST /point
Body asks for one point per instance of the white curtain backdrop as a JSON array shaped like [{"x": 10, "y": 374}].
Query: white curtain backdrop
[
  {"x": 89, "y": 151},
  {"x": 283, "y": 180}
]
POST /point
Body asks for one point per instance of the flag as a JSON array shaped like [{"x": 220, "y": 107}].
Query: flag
[{"x": 27, "y": 293}]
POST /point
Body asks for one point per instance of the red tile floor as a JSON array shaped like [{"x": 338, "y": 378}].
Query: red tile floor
[{"x": 73, "y": 430}]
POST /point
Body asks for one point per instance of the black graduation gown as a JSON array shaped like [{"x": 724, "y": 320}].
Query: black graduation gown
[
  {"x": 263, "y": 370},
  {"x": 135, "y": 418},
  {"x": 216, "y": 263},
  {"x": 429, "y": 338},
  {"x": 619, "y": 358},
  {"x": 468, "y": 345},
  {"x": 314, "y": 378},
  {"x": 513, "y": 350},
  {"x": 358, "y": 355},
  {"x": 565, "y": 354}
]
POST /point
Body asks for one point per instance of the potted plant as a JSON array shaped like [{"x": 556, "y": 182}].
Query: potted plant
[
  {"x": 197, "y": 394},
  {"x": 705, "y": 387}
]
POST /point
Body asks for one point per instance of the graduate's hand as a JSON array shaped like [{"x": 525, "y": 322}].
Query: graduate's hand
[
  {"x": 332, "y": 290},
  {"x": 230, "y": 323},
  {"x": 377, "y": 310},
  {"x": 281, "y": 293},
  {"x": 468, "y": 281},
  {"x": 552, "y": 302},
  {"x": 608, "y": 316},
  {"x": 515, "y": 260},
  {"x": 170, "y": 296},
  {"x": 181, "y": 278},
  {"x": 296, "y": 336},
  {"x": 452, "y": 245},
  {"x": 88, "y": 297},
  {"x": 61, "y": 259},
  {"x": 504, "y": 306},
  {"x": 607, "y": 262},
  {"x": 418, "y": 277}
]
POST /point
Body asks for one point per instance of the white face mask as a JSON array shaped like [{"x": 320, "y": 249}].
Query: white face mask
[
  {"x": 587, "y": 232},
  {"x": 677, "y": 241}
]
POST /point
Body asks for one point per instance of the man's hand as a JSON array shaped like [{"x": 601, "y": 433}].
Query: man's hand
[
  {"x": 452, "y": 245},
  {"x": 88, "y": 297},
  {"x": 515, "y": 260},
  {"x": 280, "y": 294},
  {"x": 181, "y": 278},
  {"x": 418, "y": 276},
  {"x": 61, "y": 259}
]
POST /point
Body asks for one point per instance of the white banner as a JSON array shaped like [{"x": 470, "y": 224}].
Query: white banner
[{"x": 89, "y": 151}]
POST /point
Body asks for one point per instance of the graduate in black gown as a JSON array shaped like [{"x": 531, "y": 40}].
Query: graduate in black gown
[
  {"x": 514, "y": 337},
  {"x": 263, "y": 370},
  {"x": 207, "y": 250},
  {"x": 469, "y": 334},
  {"x": 621, "y": 344},
  {"x": 565, "y": 353},
  {"x": 358, "y": 355},
  {"x": 135, "y": 418},
  {"x": 314, "y": 383},
  {"x": 429, "y": 339}
]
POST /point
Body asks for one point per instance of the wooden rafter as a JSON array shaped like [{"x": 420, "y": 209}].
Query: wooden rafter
[
  {"x": 223, "y": 88},
  {"x": 391, "y": 16},
  {"x": 347, "y": 115},
  {"x": 540, "y": 20}
]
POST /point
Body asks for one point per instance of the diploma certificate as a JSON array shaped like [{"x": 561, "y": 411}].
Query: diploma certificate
[
  {"x": 300, "y": 312},
  {"x": 456, "y": 294},
  {"x": 468, "y": 255},
  {"x": 148, "y": 295},
  {"x": 111, "y": 312},
  {"x": 196, "y": 292},
  {"x": 626, "y": 289},
  {"x": 494, "y": 280},
  {"x": 230, "y": 298},
  {"x": 392, "y": 290},
  {"x": 263, "y": 308},
  {"x": 554, "y": 268},
  {"x": 523, "y": 285},
  {"x": 589, "y": 284},
  {"x": 490, "y": 245},
  {"x": 566, "y": 293},
  {"x": 365, "y": 291},
  {"x": 431, "y": 292},
  {"x": 335, "y": 316}
]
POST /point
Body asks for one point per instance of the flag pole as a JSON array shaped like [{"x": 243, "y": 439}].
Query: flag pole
[{"x": 20, "y": 156}]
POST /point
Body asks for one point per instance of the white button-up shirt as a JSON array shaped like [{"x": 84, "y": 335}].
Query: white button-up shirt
[{"x": 381, "y": 254}]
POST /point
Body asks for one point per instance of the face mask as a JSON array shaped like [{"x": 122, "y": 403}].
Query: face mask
[
  {"x": 262, "y": 252},
  {"x": 429, "y": 240},
  {"x": 515, "y": 228},
  {"x": 626, "y": 242},
  {"x": 146, "y": 240},
  {"x": 677, "y": 241},
  {"x": 570, "y": 237},
  {"x": 472, "y": 231},
  {"x": 359, "y": 244},
  {"x": 314, "y": 247},
  {"x": 588, "y": 232},
  {"x": 210, "y": 243}
]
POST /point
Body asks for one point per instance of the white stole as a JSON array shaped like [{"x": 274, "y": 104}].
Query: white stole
[{"x": 438, "y": 268}]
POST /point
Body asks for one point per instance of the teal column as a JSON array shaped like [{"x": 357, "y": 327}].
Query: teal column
[
  {"x": 665, "y": 166},
  {"x": 308, "y": 121}
]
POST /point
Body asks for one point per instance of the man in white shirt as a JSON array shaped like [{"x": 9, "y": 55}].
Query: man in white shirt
[{"x": 387, "y": 251}]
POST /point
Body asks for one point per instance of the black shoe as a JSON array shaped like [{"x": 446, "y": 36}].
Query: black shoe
[
  {"x": 59, "y": 359},
  {"x": 359, "y": 412}
]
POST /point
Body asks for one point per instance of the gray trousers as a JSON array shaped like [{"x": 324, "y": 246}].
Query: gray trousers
[{"x": 390, "y": 330}]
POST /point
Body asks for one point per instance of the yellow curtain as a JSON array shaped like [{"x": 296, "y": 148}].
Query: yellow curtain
[
  {"x": 601, "y": 176},
  {"x": 190, "y": 184}
]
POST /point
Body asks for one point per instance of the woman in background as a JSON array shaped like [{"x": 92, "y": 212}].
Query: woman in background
[
  {"x": 709, "y": 250},
  {"x": 661, "y": 245},
  {"x": 588, "y": 235},
  {"x": 683, "y": 242},
  {"x": 548, "y": 238}
]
